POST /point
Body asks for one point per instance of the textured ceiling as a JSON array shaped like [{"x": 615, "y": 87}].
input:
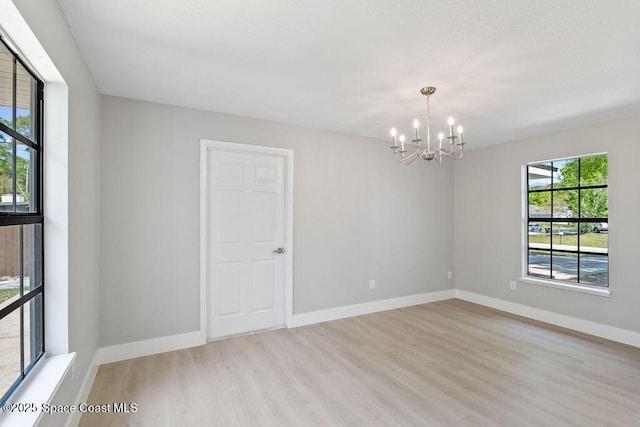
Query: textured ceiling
[{"x": 505, "y": 69}]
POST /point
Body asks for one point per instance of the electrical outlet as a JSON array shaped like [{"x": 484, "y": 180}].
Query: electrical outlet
[
  {"x": 372, "y": 284},
  {"x": 449, "y": 275},
  {"x": 512, "y": 284}
]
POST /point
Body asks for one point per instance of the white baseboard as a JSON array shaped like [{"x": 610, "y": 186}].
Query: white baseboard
[
  {"x": 612, "y": 333},
  {"x": 83, "y": 394},
  {"x": 335, "y": 313},
  {"x": 116, "y": 353}
]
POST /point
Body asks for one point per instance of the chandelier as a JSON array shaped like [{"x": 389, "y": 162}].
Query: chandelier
[{"x": 428, "y": 152}]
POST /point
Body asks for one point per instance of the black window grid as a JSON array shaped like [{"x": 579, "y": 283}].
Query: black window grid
[
  {"x": 553, "y": 219},
  {"x": 22, "y": 219}
]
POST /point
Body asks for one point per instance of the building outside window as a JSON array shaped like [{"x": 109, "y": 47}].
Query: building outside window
[
  {"x": 21, "y": 221},
  {"x": 567, "y": 221}
]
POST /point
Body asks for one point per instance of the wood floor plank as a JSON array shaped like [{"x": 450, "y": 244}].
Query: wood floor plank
[{"x": 444, "y": 363}]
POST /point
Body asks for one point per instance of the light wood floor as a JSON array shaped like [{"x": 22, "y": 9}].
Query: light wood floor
[{"x": 445, "y": 363}]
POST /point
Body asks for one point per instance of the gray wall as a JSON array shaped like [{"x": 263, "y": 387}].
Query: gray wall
[
  {"x": 48, "y": 24},
  {"x": 488, "y": 221},
  {"x": 357, "y": 216}
]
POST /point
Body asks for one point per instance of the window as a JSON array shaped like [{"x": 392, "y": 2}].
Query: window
[
  {"x": 567, "y": 222},
  {"x": 21, "y": 221}
]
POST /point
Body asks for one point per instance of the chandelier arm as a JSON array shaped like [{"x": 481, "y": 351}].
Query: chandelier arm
[
  {"x": 455, "y": 156},
  {"x": 412, "y": 157},
  {"x": 408, "y": 159}
]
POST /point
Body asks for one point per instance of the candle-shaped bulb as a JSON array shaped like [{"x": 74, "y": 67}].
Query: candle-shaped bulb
[
  {"x": 460, "y": 130},
  {"x": 394, "y": 132},
  {"x": 402, "y": 139},
  {"x": 416, "y": 132},
  {"x": 451, "y": 121},
  {"x": 440, "y": 136}
]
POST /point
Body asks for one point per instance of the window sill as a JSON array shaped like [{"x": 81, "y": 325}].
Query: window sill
[
  {"x": 602, "y": 292},
  {"x": 38, "y": 388}
]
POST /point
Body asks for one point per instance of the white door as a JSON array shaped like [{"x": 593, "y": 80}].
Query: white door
[{"x": 246, "y": 223}]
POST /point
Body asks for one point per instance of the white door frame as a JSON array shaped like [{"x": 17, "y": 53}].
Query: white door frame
[{"x": 207, "y": 145}]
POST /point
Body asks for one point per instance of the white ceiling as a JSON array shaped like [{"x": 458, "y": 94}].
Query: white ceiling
[{"x": 506, "y": 69}]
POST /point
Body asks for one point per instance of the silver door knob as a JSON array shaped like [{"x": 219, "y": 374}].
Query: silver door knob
[{"x": 279, "y": 251}]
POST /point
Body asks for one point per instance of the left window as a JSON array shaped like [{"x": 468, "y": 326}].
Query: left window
[{"x": 21, "y": 221}]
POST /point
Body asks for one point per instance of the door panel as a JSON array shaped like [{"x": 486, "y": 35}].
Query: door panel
[
  {"x": 229, "y": 210},
  {"x": 263, "y": 286},
  {"x": 229, "y": 297},
  {"x": 266, "y": 173},
  {"x": 264, "y": 213}
]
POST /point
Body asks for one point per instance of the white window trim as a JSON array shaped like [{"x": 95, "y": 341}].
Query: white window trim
[
  {"x": 37, "y": 389},
  {"x": 567, "y": 286}
]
